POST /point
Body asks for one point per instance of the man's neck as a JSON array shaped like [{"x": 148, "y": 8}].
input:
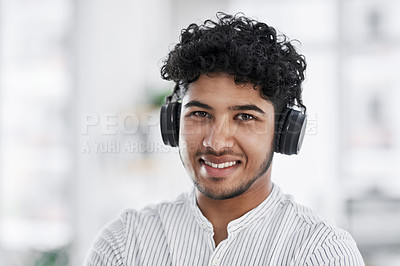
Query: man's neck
[{"x": 221, "y": 212}]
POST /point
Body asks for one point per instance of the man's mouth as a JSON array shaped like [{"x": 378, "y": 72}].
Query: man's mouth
[{"x": 220, "y": 165}]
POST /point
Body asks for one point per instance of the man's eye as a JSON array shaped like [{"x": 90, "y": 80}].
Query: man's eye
[
  {"x": 245, "y": 117},
  {"x": 200, "y": 114}
]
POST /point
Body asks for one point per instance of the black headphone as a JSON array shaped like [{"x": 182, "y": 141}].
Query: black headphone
[
  {"x": 290, "y": 130},
  {"x": 289, "y": 134}
]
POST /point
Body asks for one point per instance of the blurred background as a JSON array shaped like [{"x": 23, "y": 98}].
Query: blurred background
[{"x": 80, "y": 93}]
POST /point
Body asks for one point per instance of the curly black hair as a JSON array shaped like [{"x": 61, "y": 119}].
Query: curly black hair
[{"x": 249, "y": 50}]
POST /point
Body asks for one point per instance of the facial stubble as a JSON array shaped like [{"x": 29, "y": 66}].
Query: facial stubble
[{"x": 239, "y": 189}]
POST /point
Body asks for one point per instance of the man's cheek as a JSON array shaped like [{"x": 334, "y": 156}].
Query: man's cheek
[
  {"x": 191, "y": 131},
  {"x": 189, "y": 146}
]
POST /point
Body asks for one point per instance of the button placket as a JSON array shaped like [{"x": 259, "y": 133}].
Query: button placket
[{"x": 219, "y": 252}]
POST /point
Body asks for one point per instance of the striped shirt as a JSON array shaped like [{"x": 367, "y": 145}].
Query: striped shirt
[{"x": 276, "y": 232}]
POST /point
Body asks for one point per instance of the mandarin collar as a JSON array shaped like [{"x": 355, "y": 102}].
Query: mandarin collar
[{"x": 263, "y": 210}]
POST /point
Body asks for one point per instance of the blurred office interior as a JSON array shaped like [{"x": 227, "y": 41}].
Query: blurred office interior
[{"x": 80, "y": 92}]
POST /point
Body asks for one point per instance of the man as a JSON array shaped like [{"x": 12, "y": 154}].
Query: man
[{"x": 237, "y": 100}]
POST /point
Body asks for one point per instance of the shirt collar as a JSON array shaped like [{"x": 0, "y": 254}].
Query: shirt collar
[{"x": 264, "y": 209}]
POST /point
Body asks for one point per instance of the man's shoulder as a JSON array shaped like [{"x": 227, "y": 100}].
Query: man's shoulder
[
  {"x": 302, "y": 214},
  {"x": 306, "y": 220},
  {"x": 314, "y": 235},
  {"x": 303, "y": 221},
  {"x": 155, "y": 211}
]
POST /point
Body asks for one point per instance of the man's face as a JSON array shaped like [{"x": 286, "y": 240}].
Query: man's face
[{"x": 226, "y": 136}]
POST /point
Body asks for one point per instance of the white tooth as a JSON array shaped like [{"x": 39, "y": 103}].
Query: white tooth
[{"x": 221, "y": 165}]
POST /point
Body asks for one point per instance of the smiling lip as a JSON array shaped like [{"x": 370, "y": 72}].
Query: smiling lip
[{"x": 219, "y": 166}]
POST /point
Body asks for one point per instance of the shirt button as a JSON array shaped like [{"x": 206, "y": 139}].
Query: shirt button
[{"x": 215, "y": 262}]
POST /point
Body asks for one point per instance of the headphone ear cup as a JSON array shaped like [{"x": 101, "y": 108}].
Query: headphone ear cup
[
  {"x": 169, "y": 123},
  {"x": 291, "y": 131}
]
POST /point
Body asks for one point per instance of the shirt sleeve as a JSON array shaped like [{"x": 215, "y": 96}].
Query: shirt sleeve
[
  {"x": 339, "y": 249},
  {"x": 109, "y": 247}
]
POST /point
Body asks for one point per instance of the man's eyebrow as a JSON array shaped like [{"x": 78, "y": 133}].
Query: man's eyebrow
[
  {"x": 246, "y": 107},
  {"x": 198, "y": 104}
]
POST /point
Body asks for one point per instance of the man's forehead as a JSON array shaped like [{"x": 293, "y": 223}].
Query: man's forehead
[{"x": 215, "y": 94}]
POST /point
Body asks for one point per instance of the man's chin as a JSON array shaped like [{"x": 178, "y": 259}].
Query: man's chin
[{"x": 221, "y": 194}]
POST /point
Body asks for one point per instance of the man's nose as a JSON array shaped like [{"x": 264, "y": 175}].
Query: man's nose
[{"x": 219, "y": 135}]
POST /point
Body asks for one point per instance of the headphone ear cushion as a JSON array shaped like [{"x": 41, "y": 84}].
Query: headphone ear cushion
[
  {"x": 169, "y": 123},
  {"x": 291, "y": 131},
  {"x": 164, "y": 124},
  {"x": 279, "y": 129}
]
